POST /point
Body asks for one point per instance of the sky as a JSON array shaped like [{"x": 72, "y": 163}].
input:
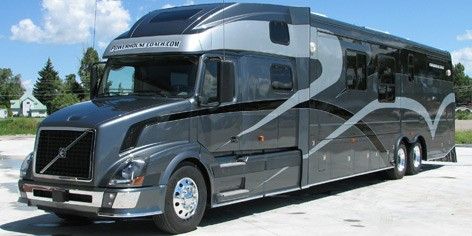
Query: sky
[{"x": 33, "y": 31}]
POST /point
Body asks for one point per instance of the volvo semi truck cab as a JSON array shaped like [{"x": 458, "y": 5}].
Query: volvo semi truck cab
[{"x": 208, "y": 105}]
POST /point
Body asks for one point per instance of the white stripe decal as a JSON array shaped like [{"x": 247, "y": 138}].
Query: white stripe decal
[{"x": 401, "y": 103}]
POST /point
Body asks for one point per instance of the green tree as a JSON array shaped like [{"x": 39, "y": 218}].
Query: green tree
[
  {"x": 48, "y": 86},
  {"x": 89, "y": 58},
  {"x": 63, "y": 100},
  {"x": 10, "y": 87},
  {"x": 72, "y": 86},
  {"x": 462, "y": 84}
]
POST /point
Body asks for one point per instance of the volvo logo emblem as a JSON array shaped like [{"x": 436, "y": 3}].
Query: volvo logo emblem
[{"x": 62, "y": 153}]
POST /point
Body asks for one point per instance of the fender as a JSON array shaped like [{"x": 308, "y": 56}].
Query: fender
[{"x": 192, "y": 151}]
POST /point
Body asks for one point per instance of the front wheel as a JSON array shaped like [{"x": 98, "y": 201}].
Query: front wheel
[
  {"x": 399, "y": 170},
  {"x": 185, "y": 201},
  {"x": 415, "y": 159}
]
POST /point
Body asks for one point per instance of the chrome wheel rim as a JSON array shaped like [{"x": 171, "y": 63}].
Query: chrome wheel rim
[
  {"x": 417, "y": 156},
  {"x": 401, "y": 159},
  {"x": 185, "y": 198}
]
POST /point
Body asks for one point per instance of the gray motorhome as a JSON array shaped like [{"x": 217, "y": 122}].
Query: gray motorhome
[{"x": 208, "y": 105}]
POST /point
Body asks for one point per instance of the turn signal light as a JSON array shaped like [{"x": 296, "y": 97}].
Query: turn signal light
[{"x": 138, "y": 181}]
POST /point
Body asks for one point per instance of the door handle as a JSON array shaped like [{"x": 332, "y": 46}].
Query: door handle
[
  {"x": 234, "y": 139},
  {"x": 243, "y": 159}
]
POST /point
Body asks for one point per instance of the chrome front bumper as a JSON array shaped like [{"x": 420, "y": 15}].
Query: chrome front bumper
[{"x": 105, "y": 202}]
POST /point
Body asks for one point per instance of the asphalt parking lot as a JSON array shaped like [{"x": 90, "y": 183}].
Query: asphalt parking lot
[{"x": 438, "y": 201}]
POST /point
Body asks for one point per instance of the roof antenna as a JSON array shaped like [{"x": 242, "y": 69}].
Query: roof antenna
[
  {"x": 94, "y": 25},
  {"x": 224, "y": 34}
]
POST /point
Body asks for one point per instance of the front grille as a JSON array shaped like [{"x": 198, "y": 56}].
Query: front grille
[{"x": 78, "y": 159}]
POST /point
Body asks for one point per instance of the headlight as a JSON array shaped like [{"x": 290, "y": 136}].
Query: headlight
[
  {"x": 131, "y": 174},
  {"x": 25, "y": 165}
]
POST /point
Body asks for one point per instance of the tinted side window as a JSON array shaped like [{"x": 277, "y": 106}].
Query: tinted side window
[
  {"x": 421, "y": 65},
  {"x": 175, "y": 15},
  {"x": 279, "y": 32},
  {"x": 281, "y": 77},
  {"x": 386, "y": 70},
  {"x": 386, "y": 79},
  {"x": 356, "y": 66}
]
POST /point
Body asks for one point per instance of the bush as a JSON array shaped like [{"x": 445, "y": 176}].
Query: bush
[
  {"x": 19, "y": 125},
  {"x": 464, "y": 115}
]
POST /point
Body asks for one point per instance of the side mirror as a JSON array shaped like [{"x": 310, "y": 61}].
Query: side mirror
[
  {"x": 218, "y": 83},
  {"x": 226, "y": 80},
  {"x": 96, "y": 74}
]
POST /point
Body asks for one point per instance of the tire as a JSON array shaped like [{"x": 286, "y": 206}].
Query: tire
[
  {"x": 181, "y": 216},
  {"x": 415, "y": 159},
  {"x": 400, "y": 162},
  {"x": 74, "y": 218}
]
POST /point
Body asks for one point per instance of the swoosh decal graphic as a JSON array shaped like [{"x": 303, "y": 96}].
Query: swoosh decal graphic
[
  {"x": 400, "y": 102},
  {"x": 331, "y": 51}
]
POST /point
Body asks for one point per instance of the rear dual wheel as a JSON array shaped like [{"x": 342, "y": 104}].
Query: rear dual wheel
[
  {"x": 400, "y": 163},
  {"x": 415, "y": 159},
  {"x": 407, "y": 161}
]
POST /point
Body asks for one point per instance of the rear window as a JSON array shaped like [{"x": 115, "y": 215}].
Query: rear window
[{"x": 179, "y": 15}]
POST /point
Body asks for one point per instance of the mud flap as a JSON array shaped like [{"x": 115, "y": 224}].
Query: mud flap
[{"x": 450, "y": 157}]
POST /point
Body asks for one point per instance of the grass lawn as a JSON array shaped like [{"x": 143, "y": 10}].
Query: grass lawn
[
  {"x": 464, "y": 137},
  {"x": 19, "y": 125}
]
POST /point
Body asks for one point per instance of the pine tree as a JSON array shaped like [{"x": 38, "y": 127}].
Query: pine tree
[
  {"x": 72, "y": 86},
  {"x": 48, "y": 85},
  {"x": 90, "y": 57}
]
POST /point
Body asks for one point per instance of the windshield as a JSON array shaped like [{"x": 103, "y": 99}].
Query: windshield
[{"x": 172, "y": 77}]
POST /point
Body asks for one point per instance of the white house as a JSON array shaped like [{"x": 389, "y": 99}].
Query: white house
[
  {"x": 28, "y": 106},
  {"x": 3, "y": 113}
]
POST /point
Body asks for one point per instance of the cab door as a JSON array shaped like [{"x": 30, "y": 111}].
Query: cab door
[{"x": 219, "y": 119}]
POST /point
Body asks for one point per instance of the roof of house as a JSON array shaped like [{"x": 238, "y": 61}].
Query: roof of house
[{"x": 37, "y": 105}]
